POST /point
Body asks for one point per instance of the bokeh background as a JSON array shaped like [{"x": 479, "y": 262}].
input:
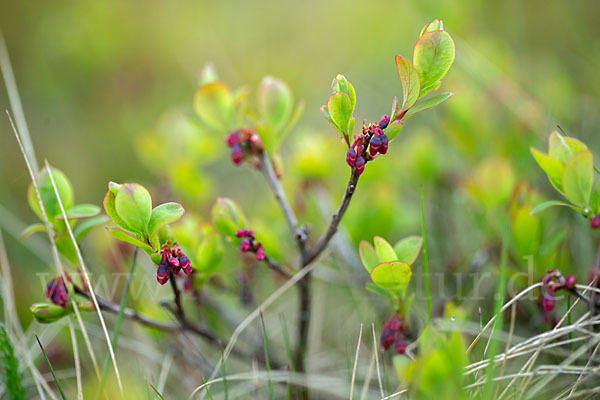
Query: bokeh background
[{"x": 101, "y": 80}]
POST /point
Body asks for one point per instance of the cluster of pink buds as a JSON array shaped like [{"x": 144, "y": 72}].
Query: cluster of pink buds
[
  {"x": 172, "y": 259},
  {"x": 393, "y": 333},
  {"x": 249, "y": 244},
  {"x": 57, "y": 292},
  {"x": 552, "y": 282},
  {"x": 243, "y": 142},
  {"x": 595, "y": 221},
  {"x": 372, "y": 139}
]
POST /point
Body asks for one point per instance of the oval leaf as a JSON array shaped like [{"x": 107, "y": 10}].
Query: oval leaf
[
  {"x": 409, "y": 79},
  {"x": 49, "y": 200},
  {"x": 134, "y": 205},
  {"x": 31, "y": 229},
  {"x": 552, "y": 203},
  {"x": 125, "y": 237},
  {"x": 340, "y": 110},
  {"x": 394, "y": 276},
  {"x": 433, "y": 55},
  {"x": 551, "y": 166},
  {"x": 81, "y": 211},
  {"x": 213, "y": 103},
  {"x": 428, "y": 103},
  {"x": 164, "y": 214},
  {"x": 275, "y": 102},
  {"x": 367, "y": 255},
  {"x": 109, "y": 207},
  {"x": 385, "y": 251},
  {"x": 408, "y": 249},
  {"x": 578, "y": 178}
]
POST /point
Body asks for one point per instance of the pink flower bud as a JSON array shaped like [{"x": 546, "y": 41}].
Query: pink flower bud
[
  {"x": 57, "y": 292},
  {"x": 260, "y": 254},
  {"x": 186, "y": 265},
  {"x": 162, "y": 274},
  {"x": 570, "y": 282},
  {"x": 400, "y": 346},
  {"x": 387, "y": 338},
  {"x": 359, "y": 165},
  {"x": 173, "y": 262},
  {"x": 351, "y": 157},
  {"x": 595, "y": 221},
  {"x": 245, "y": 245},
  {"x": 384, "y": 143},
  {"x": 548, "y": 302},
  {"x": 241, "y": 232},
  {"x": 375, "y": 144},
  {"x": 384, "y": 121},
  {"x": 232, "y": 139},
  {"x": 237, "y": 154}
]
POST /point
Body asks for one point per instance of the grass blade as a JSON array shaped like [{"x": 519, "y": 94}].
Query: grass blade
[
  {"x": 62, "y": 394},
  {"x": 425, "y": 259},
  {"x": 160, "y": 396},
  {"x": 13, "y": 380},
  {"x": 267, "y": 363},
  {"x": 118, "y": 322},
  {"x": 355, "y": 363}
]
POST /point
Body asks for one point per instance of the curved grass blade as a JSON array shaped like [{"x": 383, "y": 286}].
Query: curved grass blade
[{"x": 62, "y": 394}]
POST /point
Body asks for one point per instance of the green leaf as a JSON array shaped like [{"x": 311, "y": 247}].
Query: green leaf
[
  {"x": 134, "y": 205},
  {"x": 208, "y": 74},
  {"x": 49, "y": 200},
  {"x": 111, "y": 211},
  {"x": 340, "y": 110},
  {"x": 85, "y": 226},
  {"x": 428, "y": 103},
  {"x": 384, "y": 250},
  {"x": 81, "y": 211},
  {"x": 268, "y": 136},
  {"x": 395, "y": 109},
  {"x": 409, "y": 79},
  {"x": 435, "y": 25},
  {"x": 526, "y": 231},
  {"x": 46, "y": 313},
  {"x": 298, "y": 110},
  {"x": 595, "y": 201},
  {"x": 227, "y": 216},
  {"x": 373, "y": 288},
  {"x": 213, "y": 103},
  {"x": 341, "y": 83},
  {"x": 552, "y": 203},
  {"x": 209, "y": 253},
  {"x": 551, "y": 166},
  {"x": 275, "y": 102},
  {"x": 558, "y": 147},
  {"x": 578, "y": 178},
  {"x": 125, "y": 237},
  {"x": 393, "y": 276},
  {"x": 394, "y": 129},
  {"x": 432, "y": 58},
  {"x": 164, "y": 214},
  {"x": 408, "y": 249},
  {"x": 367, "y": 255},
  {"x": 31, "y": 229}
]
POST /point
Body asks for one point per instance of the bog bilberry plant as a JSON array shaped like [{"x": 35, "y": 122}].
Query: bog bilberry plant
[{"x": 254, "y": 131}]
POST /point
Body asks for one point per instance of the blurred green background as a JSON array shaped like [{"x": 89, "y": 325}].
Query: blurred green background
[{"x": 95, "y": 76}]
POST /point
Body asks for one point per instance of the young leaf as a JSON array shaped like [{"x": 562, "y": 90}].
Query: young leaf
[
  {"x": 394, "y": 129},
  {"x": 275, "y": 102},
  {"x": 384, "y": 250},
  {"x": 433, "y": 55},
  {"x": 49, "y": 200},
  {"x": 134, "y": 205},
  {"x": 367, "y": 255},
  {"x": 558, "y": 147},
  {"x": 340, "y": 110},
  {"x": 373, "y": 288},
  {"x": 341, "y": 83},
  {"x": 31, "y": 229},
  {"x": 595, "y": 201},
  {"x": 125, "y": 237},
  {"x": 551, "y": 166},
  {"x": 393, "y": 276},
  {"x": 409, "y": 79},
  {"x": 435, "y": 25},
  {"x": 578, "y": 178},
  {"x": 407, "y": 249},
  {"x": 111, "y": 211},
  {"x": 164, "y": 214},
  {"x": 81, "y": 211},
  {"x": 552, "y": 203},
  {"x": 213, "y": 103},
  {"x": 83, "y": 227},
  {"x": 227, "y": 216},
  {"x": 428, "y": 103}
]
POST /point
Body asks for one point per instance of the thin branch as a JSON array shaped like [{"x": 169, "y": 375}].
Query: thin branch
[
  {"x": 335, "y": 219},
  {"x": 266, "y": 167}
]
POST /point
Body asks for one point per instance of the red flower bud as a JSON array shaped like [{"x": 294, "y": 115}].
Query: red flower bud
[
  {"x": 387, "y": 338},
  {"x": 384, "y": 144},
  {"x": 232, "y": 139},
  {"x": 241, "y": 232},
  {"x": 351, "y": 157},
  {"x": 400, "y": 346},
  {"x": 162, "y": 274},
  {"x": 173, "y": 262},
  {"x": 245, "y": 245},
  {"x": 237, "y": 154},
  {"x": 384, "y": 121},
  {"x": 595, "y": 221},
  {"x": 570, "y": 282},
  {"x": 548, "y": 302},
  {"x": 359, "y": 165},
  {"x": 57, "y": 292},
  {"x": 260, "y": 254},
  {"x": 375, "y": 144},
  {"x": 185, "y": 264}
]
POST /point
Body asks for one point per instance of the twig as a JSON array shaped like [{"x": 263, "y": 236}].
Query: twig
[{"x": 266, "y": 168}]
